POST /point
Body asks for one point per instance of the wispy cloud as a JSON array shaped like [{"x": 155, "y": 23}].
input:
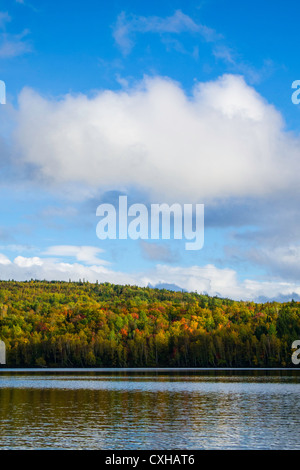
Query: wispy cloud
[
  {"x": 26, "y": 4},
  {"x": 4, "y": 18},
  {"x": 13, "y": 45},
  {"x": 86, "y": 254},
  {"x": 235, "y": 63},
  {"x": 224, "y": 53},
  {"x": 128, "y": 25}
]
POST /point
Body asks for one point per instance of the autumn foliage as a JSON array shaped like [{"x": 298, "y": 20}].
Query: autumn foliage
[{"x": 60, "y": 324}]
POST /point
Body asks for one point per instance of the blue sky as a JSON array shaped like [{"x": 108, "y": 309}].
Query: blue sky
[{"x": 165, "y": 102}]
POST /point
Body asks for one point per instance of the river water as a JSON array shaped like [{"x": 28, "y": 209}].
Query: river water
[{"x": 149, "y": 409}]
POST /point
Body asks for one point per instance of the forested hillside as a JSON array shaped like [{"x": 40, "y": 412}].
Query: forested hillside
[{"x": 60, "y": 324}]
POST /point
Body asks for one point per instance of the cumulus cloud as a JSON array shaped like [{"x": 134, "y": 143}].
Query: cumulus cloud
[
  {"x": 203, "y": 279},
  {"x": 222, "y": 282},
  {"x": 223, "y": 141},
  {"x": 208, "y": 278},
  {"x": 4, "y": 260},
  {"x": 24, "y": 262},
  {"x": 23, "y": 268}
]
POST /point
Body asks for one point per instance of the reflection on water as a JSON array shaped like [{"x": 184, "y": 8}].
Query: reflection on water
[{"x": 149, "y": 409}]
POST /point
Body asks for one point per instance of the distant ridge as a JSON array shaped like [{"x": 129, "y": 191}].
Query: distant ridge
[
  {"x": 279, "y": 298},
  {"x": 165, "y": 285},
  {"x": 259, "y": 300}
]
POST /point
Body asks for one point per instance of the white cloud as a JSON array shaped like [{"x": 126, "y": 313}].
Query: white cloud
[
  {"x": 223, "y": 141},
  {"x": 23, "y": 268},
  {"x": 127, "y": 25},
  {"x": 209, "y": 278},
  {"x": 270, "y": 289},
  {"x": 23, "y": 262},
  {"x": 195, "y": 278},
  {"x": 87, "y": 254},
  {"x": 222, "y": 282},
  {"x": 4, "y": 260}
]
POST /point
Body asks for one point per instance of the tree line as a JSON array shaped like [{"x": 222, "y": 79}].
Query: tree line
[{"x": 68, "y": 324}]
